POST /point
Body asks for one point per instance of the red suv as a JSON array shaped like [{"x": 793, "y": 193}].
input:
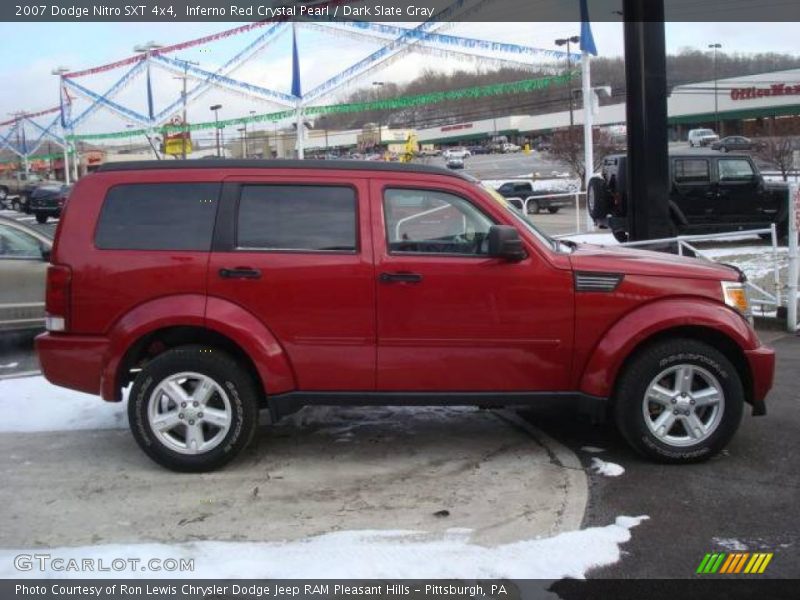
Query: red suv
[{"x": 217, "y": 288}]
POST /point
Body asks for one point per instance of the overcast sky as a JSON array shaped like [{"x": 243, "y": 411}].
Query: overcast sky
[{"x": 32, "y": 50}]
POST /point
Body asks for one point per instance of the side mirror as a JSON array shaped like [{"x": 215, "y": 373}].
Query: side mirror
[{"x": 505, "y": 243}]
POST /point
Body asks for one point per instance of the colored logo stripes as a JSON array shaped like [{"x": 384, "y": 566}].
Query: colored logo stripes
[{"x": 737, "y": 562}]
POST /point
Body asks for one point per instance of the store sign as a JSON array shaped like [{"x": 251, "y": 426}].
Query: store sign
[
  {"x": 778, "y": 89},
  {"x": 456, "y": 127}
]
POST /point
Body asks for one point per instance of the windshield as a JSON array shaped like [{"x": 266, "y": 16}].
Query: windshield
[{"x": 554, "y": 244}]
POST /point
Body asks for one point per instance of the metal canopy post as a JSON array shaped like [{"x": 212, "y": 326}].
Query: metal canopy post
[{"x": 646, "y": 82}]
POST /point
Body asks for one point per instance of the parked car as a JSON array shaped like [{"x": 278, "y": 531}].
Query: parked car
[
  {"x": 218, "y": 288},
  {"x": 735, "y": 143},
  {"x": 701, "y": 137},
  {"x": 523, "y": 193},
  {"x": 16, "y": 187},
  {"x": 510, "y": 148},
  {"x": 457, "y": 152},
  {"x": 24, "y": 256},
  {"x": 455, "y": 163},
  {"x": 709, "y": 193},
  {"x": 48, "y": 200}
]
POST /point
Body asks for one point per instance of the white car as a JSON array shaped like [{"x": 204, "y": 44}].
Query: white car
[
  {"x": 457, "y": 152},
  {"x": 702, "y": 137}
]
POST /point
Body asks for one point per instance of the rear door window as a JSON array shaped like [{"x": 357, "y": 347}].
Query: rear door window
[
  {"x": 158, "y": 216},
  {"x": 691, "y": 171},
  {"x": 313, "y": 218}
]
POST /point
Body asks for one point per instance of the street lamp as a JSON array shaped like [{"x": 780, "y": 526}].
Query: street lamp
[
  {"x": 252, "y": 114},
  {"x": 243, "y": 136},
  {"x": 184, "y": 77},
  {"x": 60, "y": 72},
  {"x": 560, "y": 42},
  {"x": 216, "y": 108},
  {"x": 716, "y": 47},
  {"x": 380, "y": 85}
]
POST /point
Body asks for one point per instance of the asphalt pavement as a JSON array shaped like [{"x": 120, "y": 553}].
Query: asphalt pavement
[{"x": 744, "y": 500}]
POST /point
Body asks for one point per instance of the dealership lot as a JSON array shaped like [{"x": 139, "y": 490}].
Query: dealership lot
[{"x": 440, "y": 471}]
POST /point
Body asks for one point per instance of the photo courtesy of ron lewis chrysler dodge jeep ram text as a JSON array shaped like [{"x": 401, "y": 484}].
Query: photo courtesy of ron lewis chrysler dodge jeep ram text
[{"x": 218, "y": 288}]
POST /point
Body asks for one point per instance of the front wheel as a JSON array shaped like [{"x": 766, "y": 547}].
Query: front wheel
[
  {"x": 553, "y": 210},
  {"x": 533, "y": 207},
  {"x": 41, "y": 218},
  {"x": 193, "y": 409},
  {"x": 679, "y": 401}
]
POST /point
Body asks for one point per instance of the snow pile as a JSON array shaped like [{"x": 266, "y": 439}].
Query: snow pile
[
  {"x": 608, "y": 469},
  {"x": 364, "y": 555},
  {"x": 593, "y": 449},
  {"x": 34, "y": 404},
  {"x": 755, "y": 261},
  {"x": 731, "y": 544}
]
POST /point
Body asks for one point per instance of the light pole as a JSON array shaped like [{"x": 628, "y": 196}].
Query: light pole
[
  {"x": 216, "y": 108},
  {"x": 147, "y": 50},
  {"x": 246, "y": 152},
  {"x": 560, "y": 42},
  {"x": 185, "y": 76},
  {"x": 60, "y": 72},
  {"x": 715, "y": 47},
  {"x": 379, "y": 84},
  {"x": 243, "y": 136}
]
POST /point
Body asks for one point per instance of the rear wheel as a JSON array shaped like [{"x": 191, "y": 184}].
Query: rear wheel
[
  {"x": 553, "y": 210},
  {"x": 533, "y": 207},
  {"x": 679, "y": 401},
  {"x": 193, "y": 409},
  {"x": 41, "y": 218}
]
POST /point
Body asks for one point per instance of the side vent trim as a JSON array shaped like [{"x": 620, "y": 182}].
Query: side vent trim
[{"x": 587, "y": 281}]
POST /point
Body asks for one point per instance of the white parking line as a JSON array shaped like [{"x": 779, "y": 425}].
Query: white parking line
[{"x": 26, "y": 219}]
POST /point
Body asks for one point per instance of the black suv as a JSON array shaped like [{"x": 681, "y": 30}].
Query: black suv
[{"x": 709, "y": 193}]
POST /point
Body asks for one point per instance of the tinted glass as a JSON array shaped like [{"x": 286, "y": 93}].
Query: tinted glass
[
  {"x": 426, "y": 221},
  {"x": 731, "y": 169},
  {"x": 691, "y": 171},
  {"x": 297, "y": 217},
  {"x": 158, "y": 216}
]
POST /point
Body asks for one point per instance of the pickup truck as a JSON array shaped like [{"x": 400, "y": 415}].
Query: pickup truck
[
  {"x": 709, "y": 193},
  {"x": 536, "y": 195},
  {"x": 18, "y": 184}
]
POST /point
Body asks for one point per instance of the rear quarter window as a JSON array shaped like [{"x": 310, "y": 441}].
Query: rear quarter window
[{"x": 158, "y": 216}]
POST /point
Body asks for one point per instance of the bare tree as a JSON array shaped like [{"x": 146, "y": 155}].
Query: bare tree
[
  {"x": 778, "y": 146},
  {"x": 567, "y": 146}
]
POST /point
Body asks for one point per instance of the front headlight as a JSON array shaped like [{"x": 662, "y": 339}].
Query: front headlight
[{"x": 734, "y": 294}]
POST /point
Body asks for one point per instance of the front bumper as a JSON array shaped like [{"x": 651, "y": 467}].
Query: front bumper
[
  {"x": 762, "y": 370},
  {"x": 72, "y": 361}
]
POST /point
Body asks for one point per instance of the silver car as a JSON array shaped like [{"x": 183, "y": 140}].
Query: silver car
[{"x": 24, "y": 257}]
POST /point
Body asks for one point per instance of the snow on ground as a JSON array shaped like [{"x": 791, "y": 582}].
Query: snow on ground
[
  {"x": 608, "y": 469},
  {"x": 364, "y": 555},
  {"x": 12, "y": 365},
  {"x": 755, "y": 261},
  {"x": 731, "y": 544},
  {"x": 34, "y": 404},
  {"x": 601, "y": 239}
]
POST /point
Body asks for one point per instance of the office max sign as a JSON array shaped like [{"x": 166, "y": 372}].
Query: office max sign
[{"x": 778, "y": 89}]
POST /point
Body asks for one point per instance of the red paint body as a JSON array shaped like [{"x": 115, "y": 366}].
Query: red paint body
[{"x": 325, "y": 322}]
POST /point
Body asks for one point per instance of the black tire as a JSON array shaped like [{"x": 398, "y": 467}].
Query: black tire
[
  {"x": 649, "y": 364},
  {"x": 533, "y": 207},
  {"x": 26, "y": 205},
  {"x": 553, "y": 210},
  {"x": 724, "y": 148},
  {"x": 3, "y": 194},
  {"x": 41, "y": 218},
  {"x": 620, "y": 235},
  {"x": 226, "y": 373},
  {"x": 15, "y": 205},
  {"x": 597, "y": 199}
]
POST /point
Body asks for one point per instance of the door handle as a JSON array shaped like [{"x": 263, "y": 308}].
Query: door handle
[
  {"x": 401, "y": 277},
  {"x": 240, "y": 273}
]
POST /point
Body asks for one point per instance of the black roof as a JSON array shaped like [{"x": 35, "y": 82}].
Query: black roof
[
  {"x": 678, "y": 152},
  {"x": 331, "y": 165}
]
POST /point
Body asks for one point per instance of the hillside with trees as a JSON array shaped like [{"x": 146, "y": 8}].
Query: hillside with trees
[{"x": 687, "y": 66}]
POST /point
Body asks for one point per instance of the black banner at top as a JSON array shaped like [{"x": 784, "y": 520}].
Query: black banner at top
[{"x": 141, "y": 11}]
